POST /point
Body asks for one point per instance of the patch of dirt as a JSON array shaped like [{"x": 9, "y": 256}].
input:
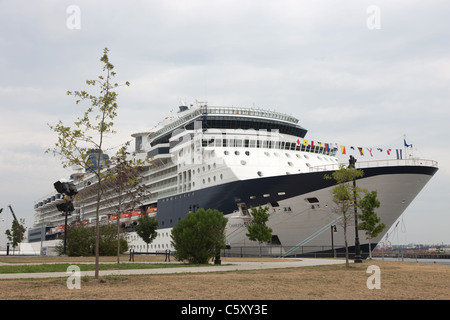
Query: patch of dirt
[{"x": 399, "y": 281}]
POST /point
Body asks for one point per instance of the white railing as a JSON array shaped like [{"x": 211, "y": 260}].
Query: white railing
[{"x": 379, "y": 163}]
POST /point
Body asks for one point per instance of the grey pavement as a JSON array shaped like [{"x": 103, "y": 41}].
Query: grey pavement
[{"x": 225, "y": 266}]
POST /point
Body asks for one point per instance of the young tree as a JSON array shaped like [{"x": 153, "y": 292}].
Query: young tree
[
  {"x": 199, "y": 236},
  {"x": 346, "y": 195},
  {"x": 258, "y": 230},
  {"x": 124, "y": 178},
  {"x": 74, "y": 143},
  {"x": 16, "y": 234},
  {"x": 146, "y": 229},
  {"x": 370, "y": 222}
]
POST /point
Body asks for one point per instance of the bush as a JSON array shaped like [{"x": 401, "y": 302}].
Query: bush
[
  {"x": 199, "y": 236},
  {"x": 81, "y": 241}
]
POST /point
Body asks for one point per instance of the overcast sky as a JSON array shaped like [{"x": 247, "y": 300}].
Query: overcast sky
[{"x": 360, "y": 73}]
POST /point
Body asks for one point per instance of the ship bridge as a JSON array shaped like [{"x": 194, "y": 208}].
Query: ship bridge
[{"x": 213, "y": 117}]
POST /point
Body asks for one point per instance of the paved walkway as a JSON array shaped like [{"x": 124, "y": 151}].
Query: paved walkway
[{"x": 225, "y": 266}]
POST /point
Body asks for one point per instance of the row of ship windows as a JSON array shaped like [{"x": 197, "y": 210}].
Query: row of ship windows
[
  {"x": 160, "y": 235},
  {"x": 143, "y": 248},
  {"x": 282, "y": 145},
  {"x": 276, "y": 154}
]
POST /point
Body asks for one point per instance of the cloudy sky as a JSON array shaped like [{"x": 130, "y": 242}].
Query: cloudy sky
[{"x": 356, "y": 72}]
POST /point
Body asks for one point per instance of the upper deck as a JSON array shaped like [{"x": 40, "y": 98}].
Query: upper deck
[{"x": 228, "y": 118}]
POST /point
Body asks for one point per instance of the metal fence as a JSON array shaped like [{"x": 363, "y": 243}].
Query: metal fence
[{"x": 285, "y": 251}]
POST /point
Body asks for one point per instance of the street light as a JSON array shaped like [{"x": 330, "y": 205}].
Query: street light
[
  {"x": 357, "y": 259},
  {"x": 68, "y": 189},
  {"x": 333, "y": 229}
]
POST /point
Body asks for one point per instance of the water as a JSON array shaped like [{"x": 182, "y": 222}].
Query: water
[{"x": 436, "y": 261}]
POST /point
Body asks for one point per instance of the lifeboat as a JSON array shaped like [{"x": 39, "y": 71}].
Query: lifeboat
[
  {"x": 103, "y": 218},
  {"x": 151, "y": 212},
  {"x": 125, "y": 217},
  {"x": 136, "y": 214}
]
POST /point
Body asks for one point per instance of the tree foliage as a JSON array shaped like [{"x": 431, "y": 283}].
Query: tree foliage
[
  {"x": 346, "y": 195},
  {"x": 81, "y": 241},
  {"x": 258, "y": 230},
  {"x": 146, "y": 229},
  {"x": 370, "y": 222},
  {"x": 199, "y": 236},
  {"x": 16, "y": 233},
  {"x": 124, "y": 178}
]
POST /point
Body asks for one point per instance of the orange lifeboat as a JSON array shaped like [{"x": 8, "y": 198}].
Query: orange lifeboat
[
  {"x": 125, "y": 217},
  {"x": 135, "y": 214},
  {"x": 151, "y": 212}
]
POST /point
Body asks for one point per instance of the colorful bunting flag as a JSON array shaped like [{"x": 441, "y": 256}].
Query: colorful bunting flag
[
  {"x": 406, "y": 145},
  {"x": 361, "y": 151}
]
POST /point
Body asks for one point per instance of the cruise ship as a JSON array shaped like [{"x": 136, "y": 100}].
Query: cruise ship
[{"x": 232, "y": 159}]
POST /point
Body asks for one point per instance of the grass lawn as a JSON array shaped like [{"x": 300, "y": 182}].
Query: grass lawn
[{"x": 62, "y": 267}]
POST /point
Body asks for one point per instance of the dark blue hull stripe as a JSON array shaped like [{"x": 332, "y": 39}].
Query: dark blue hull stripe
[{"x": 225, "y": 197}]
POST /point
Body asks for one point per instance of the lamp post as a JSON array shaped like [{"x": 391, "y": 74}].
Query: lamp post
[
  {"x": 357, "y": 259},
  {"x": 333, "y": 229},
  {"x": 68, "y": 189}
]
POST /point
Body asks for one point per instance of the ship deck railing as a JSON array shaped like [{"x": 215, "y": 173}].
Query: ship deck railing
[{"x": 378, "y": 163}]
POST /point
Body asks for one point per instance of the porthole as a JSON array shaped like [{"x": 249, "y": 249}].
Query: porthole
[
  {"x": 290, "y": 164},
  {"x": 243, "y": 162},
  {"x": 247, "y": 153},
  {"x": 236, "y": 153},
  {"x": 260, "y": 173}
]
